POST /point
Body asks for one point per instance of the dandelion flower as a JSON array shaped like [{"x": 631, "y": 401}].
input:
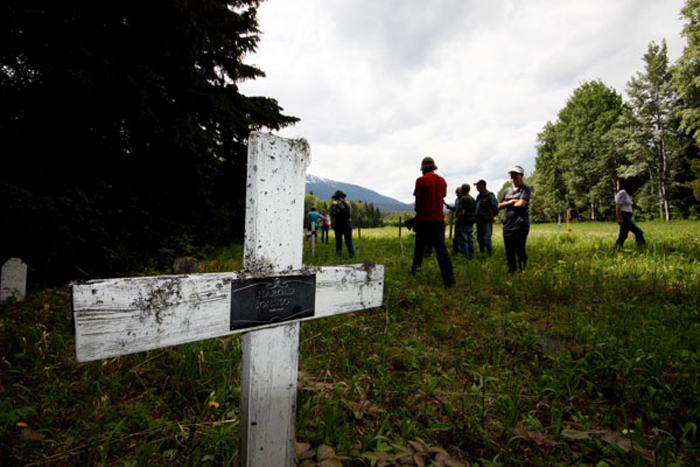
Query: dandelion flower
[{"x": 214, "y": 404}]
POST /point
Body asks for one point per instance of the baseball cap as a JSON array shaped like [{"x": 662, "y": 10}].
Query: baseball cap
[{"x": 517, "y": 169}]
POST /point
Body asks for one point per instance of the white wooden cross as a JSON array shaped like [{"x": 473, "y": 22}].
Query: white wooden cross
[{"x": 122, "y": 316}]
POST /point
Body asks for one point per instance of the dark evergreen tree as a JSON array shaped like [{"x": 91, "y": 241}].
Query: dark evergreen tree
[{"x": 123, "y": 130}]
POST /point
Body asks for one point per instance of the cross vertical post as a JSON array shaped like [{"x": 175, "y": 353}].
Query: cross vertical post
[{"x": 273, "y": 244}]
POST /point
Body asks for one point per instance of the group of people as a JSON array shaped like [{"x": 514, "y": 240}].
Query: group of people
[
  {"x": 429, "y": 224},
  {"x": 340, "y": 218},
  {"x": 468, "y": 212},
  {"x": 430, "y": 191}
]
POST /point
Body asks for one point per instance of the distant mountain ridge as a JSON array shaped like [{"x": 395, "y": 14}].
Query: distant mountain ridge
[{"x": 323, "y": 188}]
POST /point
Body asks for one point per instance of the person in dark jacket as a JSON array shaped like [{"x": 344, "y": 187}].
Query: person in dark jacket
[
  {"x": 466, "y": 217},
  {"x": 486, "y": 210},
  {"x": 341, "y": 215},
  {"x": 516, "y": 221}
]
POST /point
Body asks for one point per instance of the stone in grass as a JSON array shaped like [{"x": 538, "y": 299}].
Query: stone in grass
[
  {"x": 549, "y": 345},
  {"x": 185, "y": 265}
]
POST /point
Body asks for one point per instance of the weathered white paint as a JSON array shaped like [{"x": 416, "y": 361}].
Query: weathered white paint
[
  {"x": 121, "y": 316},
  {"x": 273, "y": 241},
  {"x": 13, "y": 280},
  {"x": 275, "y": 203}
]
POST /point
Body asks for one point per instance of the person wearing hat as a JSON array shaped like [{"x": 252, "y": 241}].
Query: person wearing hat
[
  {"x": 516, "y": 221},
  {"x": 341, "y": 215},
  {"x": 430, "y": 192},
  {"x": 466, "y": 216},
  {"x": 486, "y": 210}
]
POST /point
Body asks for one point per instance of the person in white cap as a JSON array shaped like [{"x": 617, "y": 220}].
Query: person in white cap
[{"x": 516, "y": 221}]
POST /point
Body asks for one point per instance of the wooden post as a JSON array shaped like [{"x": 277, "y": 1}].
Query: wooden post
[
  {"x": 558, "y": 226},
  {"x": 314, "y": 232},
  {"x": 121, "y": 316},
  {"x": 276, "y": 175}
]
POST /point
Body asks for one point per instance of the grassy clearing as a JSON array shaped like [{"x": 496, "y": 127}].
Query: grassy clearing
[{"x": 591, "y": 357}]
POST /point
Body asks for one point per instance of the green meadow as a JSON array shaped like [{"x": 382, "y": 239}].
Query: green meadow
[{"x": 590, "y": 357}]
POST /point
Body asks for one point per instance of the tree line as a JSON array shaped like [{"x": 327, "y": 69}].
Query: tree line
[
  {"x": 364, "y": 215},
  {"x": 599, "y": 139}
]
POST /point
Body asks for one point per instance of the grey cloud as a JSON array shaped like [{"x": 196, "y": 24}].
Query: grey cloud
[{"x": 404, "y": 32}]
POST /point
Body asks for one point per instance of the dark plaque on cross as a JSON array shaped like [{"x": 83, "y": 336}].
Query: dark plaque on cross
[{"x": 272, "y": 300}]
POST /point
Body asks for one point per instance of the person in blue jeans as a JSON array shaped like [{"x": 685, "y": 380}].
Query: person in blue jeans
[
  {"x": 325, "y": 226},
  {"x": 486, "y": 210},
  {"x": 466, "y": 217},
  {"x": 623, "y": 209}
]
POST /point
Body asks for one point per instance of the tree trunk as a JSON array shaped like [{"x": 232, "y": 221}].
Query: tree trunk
[{"x": 663, "y": 180}]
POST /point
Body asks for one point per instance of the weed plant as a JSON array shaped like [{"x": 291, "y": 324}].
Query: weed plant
[{"x": 589, "y": 357}]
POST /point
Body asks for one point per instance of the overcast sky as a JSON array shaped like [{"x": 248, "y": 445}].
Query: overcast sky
[{"x": 379, "y": 84}]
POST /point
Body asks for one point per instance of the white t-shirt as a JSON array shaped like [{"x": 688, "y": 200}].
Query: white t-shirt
[{"x": 624, "y": 200}]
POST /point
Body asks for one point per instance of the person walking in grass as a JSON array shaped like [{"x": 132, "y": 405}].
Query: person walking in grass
[
  {"x": 623, "y": 209},
  {"x": 516, "y": 221},
  {"x": 486, "y": 209},
  {"x": 466, "y": 217},
  {"x": 430, "y": 192}
]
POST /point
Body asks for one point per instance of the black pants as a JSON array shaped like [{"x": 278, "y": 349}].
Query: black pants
[
  {"x": 433, "y": 234},
  {"x": 514, "y": 242},
  {"x": 343, "y": 230}
]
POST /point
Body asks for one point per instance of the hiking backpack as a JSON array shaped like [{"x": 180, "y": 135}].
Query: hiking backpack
[{"x": 341, "y": 210}]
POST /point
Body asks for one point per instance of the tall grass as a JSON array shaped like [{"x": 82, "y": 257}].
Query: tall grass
[{"x": 590, "y": 357}]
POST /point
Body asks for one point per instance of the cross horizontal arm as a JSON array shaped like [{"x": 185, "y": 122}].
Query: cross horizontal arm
[{"x": 122, "y": 316}]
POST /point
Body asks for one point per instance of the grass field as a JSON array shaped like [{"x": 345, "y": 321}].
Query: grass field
[{"x": 590, "y": 357}]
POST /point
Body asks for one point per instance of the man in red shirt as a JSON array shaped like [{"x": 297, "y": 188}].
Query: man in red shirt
[{"x": 430, "y": 192}]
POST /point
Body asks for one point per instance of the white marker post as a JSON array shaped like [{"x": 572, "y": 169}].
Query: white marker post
[
  {"x": 122, "y": 316},
  {"x": 314, "y": 231}
]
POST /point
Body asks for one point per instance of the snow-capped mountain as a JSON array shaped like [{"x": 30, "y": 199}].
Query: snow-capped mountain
[{"x": 323, "y": 188}]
